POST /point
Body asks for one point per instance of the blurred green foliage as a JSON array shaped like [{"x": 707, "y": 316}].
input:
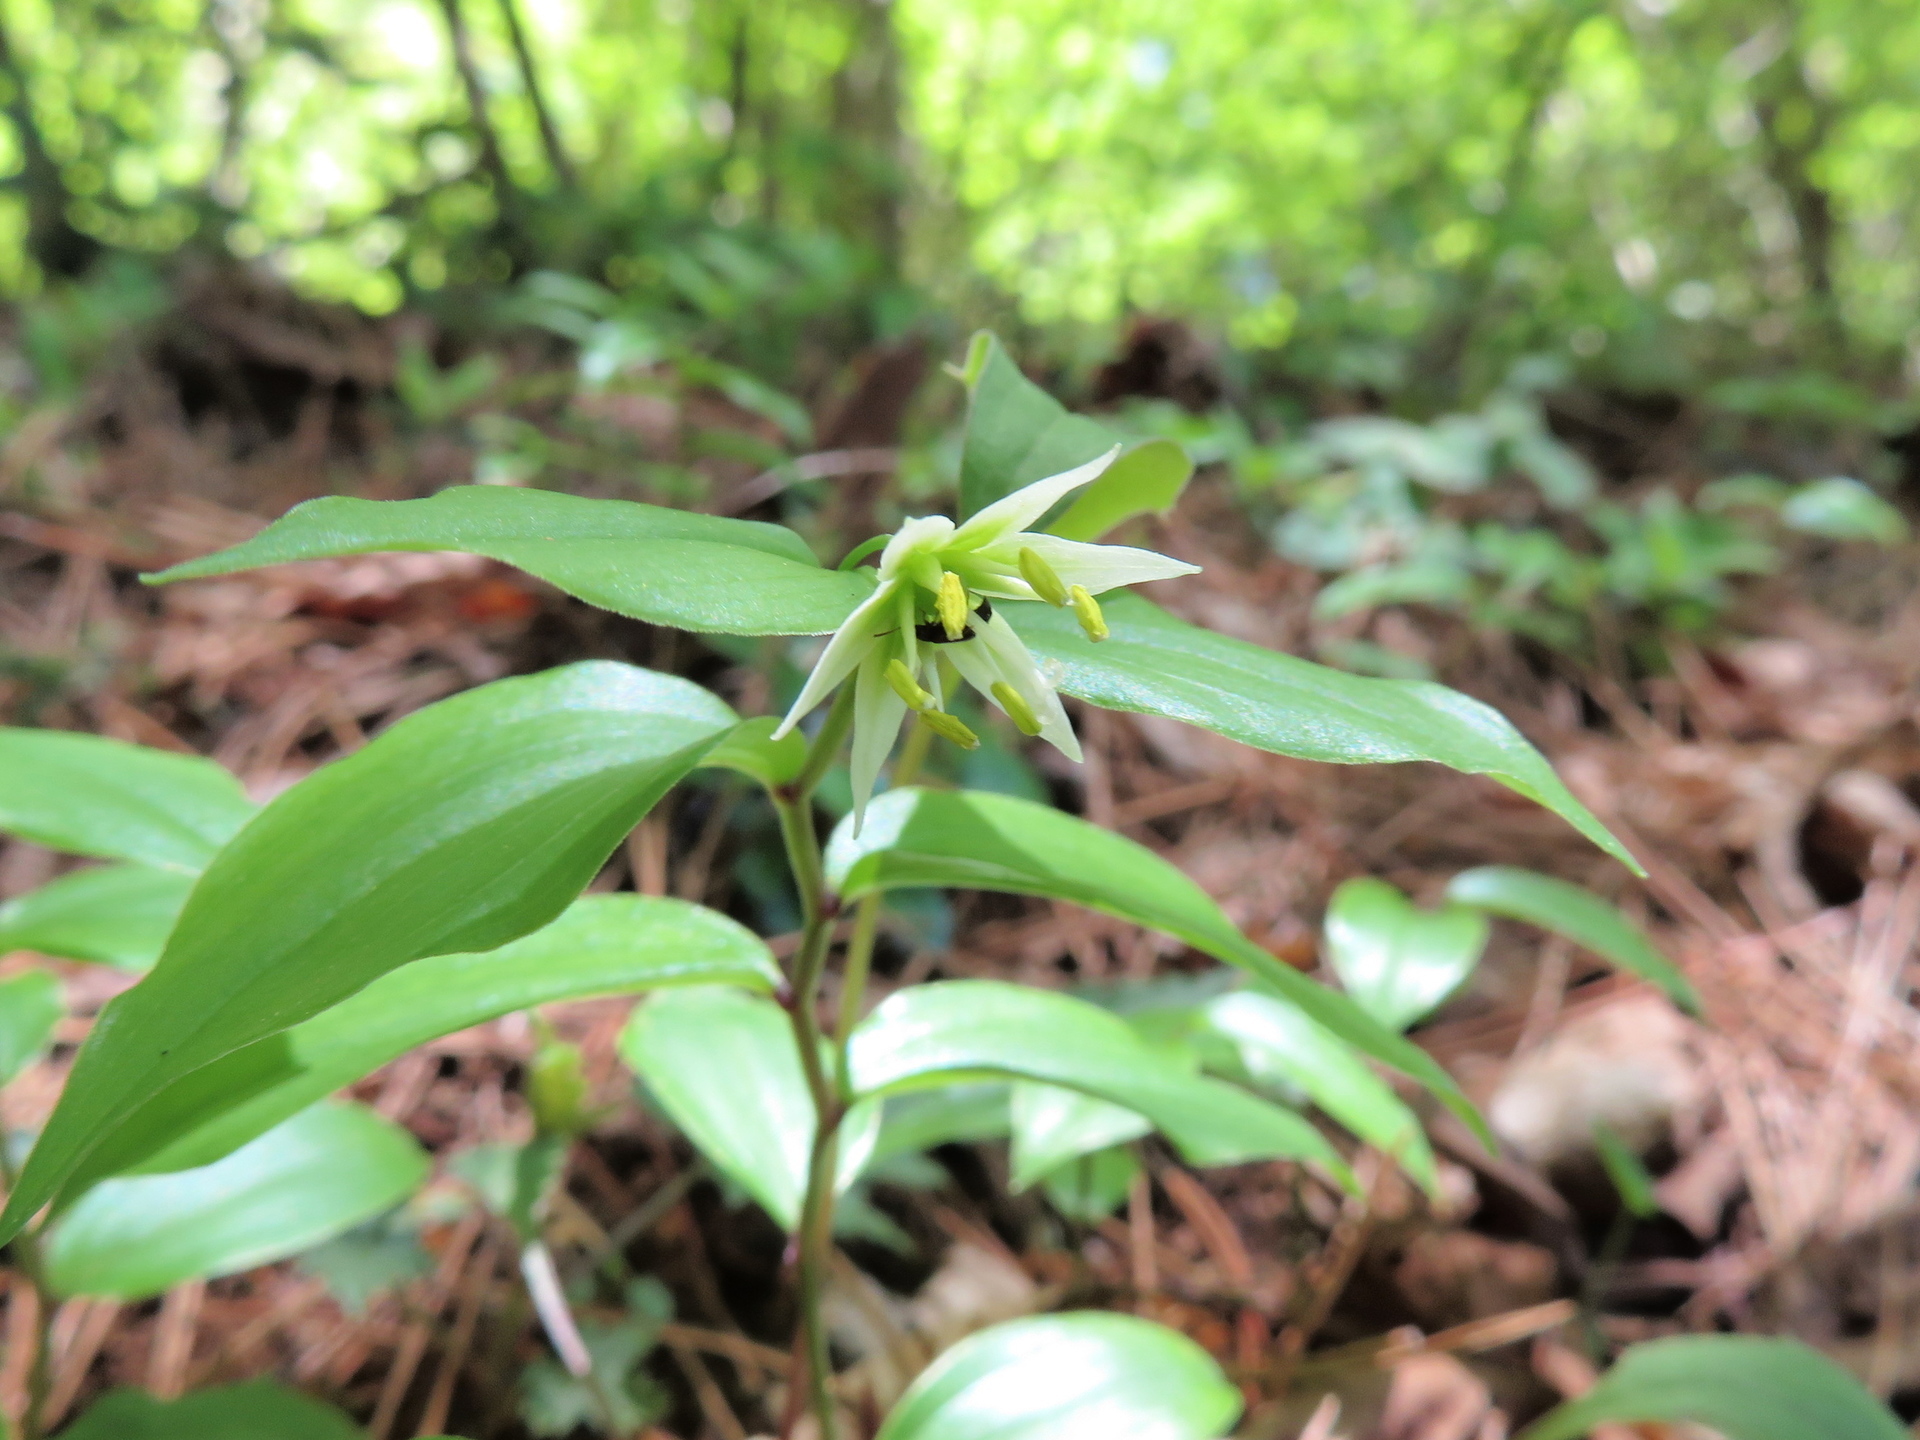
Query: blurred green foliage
[{"x": 1396, "y": 194}]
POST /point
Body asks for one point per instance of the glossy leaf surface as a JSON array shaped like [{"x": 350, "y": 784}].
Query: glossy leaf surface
[
  {"x": 669, "y": 567},
  {"x": 465, "y": 826},
  {"x": 973, "y": 840},
  {"x": 1156, "y": 665},
  {"x": 1278, "y": 1043},
  {"x": 1576, "y": 914},
  {"x": 30, "y": 1006},
  {"x": 1744, "y": 1386},
  {"x": 305, "y": 1181},
  {"x": 955, "y": 1029},
  {"x": 1093, "y": 1375},
  {"x": 1017, "y": 433},
  {"x": 1052, "y": 1125},
  {"x": 92, "y": 796},
  {"x": 1398, "y": 960},
  {"x": 602, "y": 945},
  {"x": 118, "y": 914},
  {"x": 256, "y": 1410},
  {"x": 722, "y": 1065}
]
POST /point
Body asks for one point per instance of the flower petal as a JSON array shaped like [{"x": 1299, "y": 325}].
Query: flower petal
[
  {"x": 877, "y": 713},
  {"x": 1015, "y": 512},
  {"x": 999, "y": 654},
  {"x": 912, "y": 553},
  {"x": 850, "y": 643},
  {"x": 1099, "y": 567}
]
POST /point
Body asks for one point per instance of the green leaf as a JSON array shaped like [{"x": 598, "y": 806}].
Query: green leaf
[
  {"x": 1093, "y": 1375},
  {"x": 1092, "y": 1187},
  {"x": 752, "y": 751},
  {"x": 1017, "y": 433},
  {"x": 1145, "y": 480},
  {"x": 669, "y": 567},
  {"x": 602, "y": 945},
  {"x": 92, "y": 796},
  {"x": 1743, "y": 1386},
  {"x": 965, "y": 1029},
  {"x": 1156, "y": 665},
  {"x": 920, "y": 1120},
  {"x": 1052, "y": 1126},
  {"x": 970, "y": 840},
  {"x": 118, "y": 914},
  {"x": 305, "y": 1181},
  {"x": 1839, "y": 508},
  {"x": 1576, "y": 914},
  {"x": 1399, "y": 961},
  {"x": 1278, "y": 1043},
  {"x": 255, "y": 1410},
  {"x": 723, "y": 1066},
  {"x": 30, "y": 1006},
  {"x": 461, "y": 828}
]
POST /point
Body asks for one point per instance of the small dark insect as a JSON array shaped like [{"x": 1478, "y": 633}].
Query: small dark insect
[{"x": 934, "y": 633}]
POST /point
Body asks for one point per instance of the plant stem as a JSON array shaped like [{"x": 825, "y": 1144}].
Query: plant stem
[
  {"x": 866, "y": 919},
  {"x": 819, "y": 908}
]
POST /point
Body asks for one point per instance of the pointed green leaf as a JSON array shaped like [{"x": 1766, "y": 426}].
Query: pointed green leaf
[
  {"x": 93, "y": 796},
  {"x": 30, "y": 1006},
  {"x": 461, "y": 828},
  {"x": 962, "y": 1029},
  {"x": 117, "y": 914},
  {"x": 670, "y": 567},
  {"x": 1743, "y": 1386},
  {"x": 1145, "y": 480},
  {"x": 305, "y": 1181},
  {"x": 1052, "y": 1126},
  {"x": 602, "y": 945},
  {"x": 1278, "y": 1043},
  {"x": 1577, "y": 915},
  {"x": 1399, "y": 961},
  {"x": 972, "y": 840},
  {"x": 752, "y": 751},
  {"x": 255, "y": 1410},
  {"x": 1017, "y": 433},
  {"x": 1093, "y": 1375},
  {"x": 723, "y": 1066},
  {"x": 1156, "y": 665}
]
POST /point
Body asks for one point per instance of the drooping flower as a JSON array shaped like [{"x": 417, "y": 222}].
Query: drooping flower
[{"x": 933, "y": 600}]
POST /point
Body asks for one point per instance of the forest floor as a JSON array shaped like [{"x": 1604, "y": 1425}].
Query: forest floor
[{"x": 1769, "y": 783}]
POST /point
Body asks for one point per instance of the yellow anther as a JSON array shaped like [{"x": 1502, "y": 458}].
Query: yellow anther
[
  {"x": 1017, "y": 708},
  {"x": 1037, "y": 573},
  {"x": 906, "y": 687},
  {"x": 951, "y": 605},
  {"x": 948, "y": 728},
  {"x": 1086, "y": 610}
]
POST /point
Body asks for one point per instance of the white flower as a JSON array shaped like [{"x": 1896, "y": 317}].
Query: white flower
[{"x": 937, "y": 582}]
